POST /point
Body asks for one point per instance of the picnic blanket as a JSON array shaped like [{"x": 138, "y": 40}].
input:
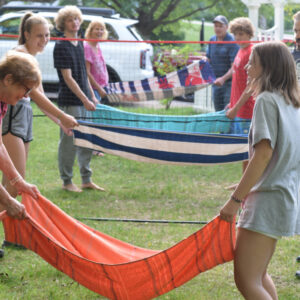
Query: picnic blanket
[
  {"x": 110, "y": 267},
  {"x": 183, "y": 140},
  {"x": 183, "y": 81}
]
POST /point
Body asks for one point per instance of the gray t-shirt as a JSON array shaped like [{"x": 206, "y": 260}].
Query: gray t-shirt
[{"x": 273, "y": 204}]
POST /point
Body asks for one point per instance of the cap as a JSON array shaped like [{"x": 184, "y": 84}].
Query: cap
[{"x": 221, "y": 19}]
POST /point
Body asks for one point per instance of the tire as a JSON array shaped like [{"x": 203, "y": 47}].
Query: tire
[{"x": 113, "y": 75}]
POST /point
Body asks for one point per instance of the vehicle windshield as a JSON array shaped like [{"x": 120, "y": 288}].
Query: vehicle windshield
[{"x": 135, "y": 33}]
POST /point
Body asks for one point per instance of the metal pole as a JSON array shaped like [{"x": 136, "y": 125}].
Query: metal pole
[{"x": 202, "y": 34}]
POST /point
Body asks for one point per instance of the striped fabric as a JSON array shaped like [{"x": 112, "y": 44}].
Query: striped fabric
[
  {"x": 184, "y": 81},
  {"x": 113, "y": 268},
  {"x": 186, "y": 140}
]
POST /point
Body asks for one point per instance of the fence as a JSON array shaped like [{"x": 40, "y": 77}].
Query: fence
[{"x": 131, "y": 60}]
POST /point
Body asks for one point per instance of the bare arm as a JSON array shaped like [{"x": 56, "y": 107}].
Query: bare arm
[
  {"x": 94, "y": 99},
  {"x": 13, "y": 207},
  {"x": 221, "y": 80},
  {"x": 93, "y": 82},
  {"x": 232, "y": 112},
  {"x": 10, "y": 171},
  {"x": 257, "y": 165},
  {"x": 74, "y": 87},
  {"x": 51, "y": 110}
]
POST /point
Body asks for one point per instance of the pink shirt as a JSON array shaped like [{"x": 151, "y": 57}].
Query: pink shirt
[
  {"x": 98, "y": 66},
  {"x": 239, "y": 83},
  {"x": 3, "y": 109}
]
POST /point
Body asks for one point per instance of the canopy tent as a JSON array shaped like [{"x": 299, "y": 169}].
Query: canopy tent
[
  {"x": 184, "y": 81},
  {"x": 109, "y": 266},
  {"x": 188, "y": 140}
]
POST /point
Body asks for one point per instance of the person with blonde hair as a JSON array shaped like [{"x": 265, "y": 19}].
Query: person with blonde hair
[
  {"x": 240, "y": 107},
  {"x": 95, "y": 63},
  {"x": 269, "y": 187},
  {"x": 241, "y": 102},
  {"x": 19, "y": 74},
  {"x": 34, "y": 35},
  {"x": 75, "y": 97}
]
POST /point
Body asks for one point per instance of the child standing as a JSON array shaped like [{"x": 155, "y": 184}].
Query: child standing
[
  {"x": 75, "y": 97},
  {"x": 240, "y": 108},
  {"x": 269, "y": 188},
  {"x": 241, "y": 102}
]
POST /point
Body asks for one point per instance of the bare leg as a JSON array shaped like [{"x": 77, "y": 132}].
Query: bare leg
[
  {"x": 18, "y": 152},
  {"x": 252, "y": 256}
]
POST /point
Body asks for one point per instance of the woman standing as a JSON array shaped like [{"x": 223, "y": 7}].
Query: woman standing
[
  {"x": 17, "y": 123},
  {"x": 95, "y": 64}
]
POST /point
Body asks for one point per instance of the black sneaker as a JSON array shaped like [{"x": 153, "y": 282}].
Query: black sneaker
[
  {"x": 298, "y": 274},
  {"x": 1, "y": 253},
  {"x": 298, "y": 259}
]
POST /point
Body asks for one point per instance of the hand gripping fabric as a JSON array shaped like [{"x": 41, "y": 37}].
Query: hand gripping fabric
[{"x": 110, "y": 267}]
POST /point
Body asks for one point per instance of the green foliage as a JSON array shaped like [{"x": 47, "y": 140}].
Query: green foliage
[
  {"x": 229, "y": 8},
  {"x": 289, "y": 11},
  {"x": 169, "y": 58}
]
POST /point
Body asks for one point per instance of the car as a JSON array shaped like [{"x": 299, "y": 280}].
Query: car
[{"x": 127, "y": 60}]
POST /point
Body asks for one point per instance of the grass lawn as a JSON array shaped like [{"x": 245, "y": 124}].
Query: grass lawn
[{"x": 134, "y": 190}]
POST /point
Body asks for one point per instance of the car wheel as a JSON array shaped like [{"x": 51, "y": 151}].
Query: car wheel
[{"x": 113, "y": 75}]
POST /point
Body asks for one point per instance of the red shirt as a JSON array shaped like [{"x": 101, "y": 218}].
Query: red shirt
[{"x": 239, "y": 83}]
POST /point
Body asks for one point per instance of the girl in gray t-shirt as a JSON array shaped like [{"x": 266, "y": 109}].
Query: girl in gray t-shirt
[{"x": 269, "y": 188}]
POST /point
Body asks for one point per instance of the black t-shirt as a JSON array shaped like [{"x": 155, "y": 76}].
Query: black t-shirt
[
  {"x": 68, "y": 56},
  {"x": 296, "y": 55}
]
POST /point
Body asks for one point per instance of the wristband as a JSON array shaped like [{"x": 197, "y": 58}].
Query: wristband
[
  {"x": 235, "y": 199},
  {"x": 15, "y": 180}
]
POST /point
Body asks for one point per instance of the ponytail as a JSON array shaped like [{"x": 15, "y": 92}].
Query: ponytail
[{"x": 24, "y": 27}]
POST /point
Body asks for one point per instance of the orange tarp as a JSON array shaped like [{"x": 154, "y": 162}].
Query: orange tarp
[{"x": 109, "y": 266}]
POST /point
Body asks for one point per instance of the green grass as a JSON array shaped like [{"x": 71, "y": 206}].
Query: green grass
[
  {"x": 192, "y": 31},
  {"x": 134, "y": 190}
]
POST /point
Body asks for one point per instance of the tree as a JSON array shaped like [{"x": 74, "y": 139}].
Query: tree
[{"x": 155, "y": 14}]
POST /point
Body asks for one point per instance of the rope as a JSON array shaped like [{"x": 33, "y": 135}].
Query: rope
[{"x": 141, "y": 220}]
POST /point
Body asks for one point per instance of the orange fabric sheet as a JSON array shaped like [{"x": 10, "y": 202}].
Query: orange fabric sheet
[{"x": 109, "y": 266}]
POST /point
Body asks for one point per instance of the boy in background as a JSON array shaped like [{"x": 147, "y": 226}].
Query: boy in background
[
  {"x": 75, "y": 97},
  {"x": 241, "y": 103}
]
